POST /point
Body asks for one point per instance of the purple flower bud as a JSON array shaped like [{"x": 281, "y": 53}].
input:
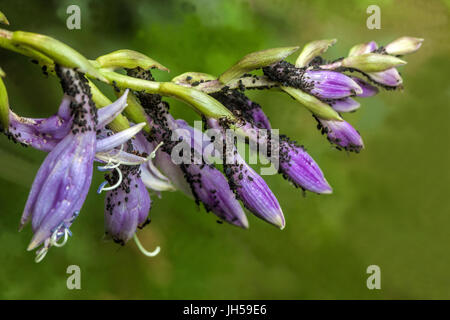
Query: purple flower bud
[
  {"x": 254, "y": 192},
  {"x": 363, "y": 48},
  {"x": 127, "y": 205},
  {"x": 345, "y": 105},
  {"x": 330, "y": 84},
  {"x": 342, "y": 134}
]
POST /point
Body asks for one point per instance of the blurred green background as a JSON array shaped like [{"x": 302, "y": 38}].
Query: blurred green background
[{"x": 390, "y": 205}]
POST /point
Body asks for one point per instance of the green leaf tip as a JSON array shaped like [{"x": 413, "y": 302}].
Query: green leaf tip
[
  {"x": 256, "y": 60},
  {"x": 129, "y": 59}
]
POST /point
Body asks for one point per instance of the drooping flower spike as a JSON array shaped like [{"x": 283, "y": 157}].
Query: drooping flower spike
[{"x": 134, "y": 161}]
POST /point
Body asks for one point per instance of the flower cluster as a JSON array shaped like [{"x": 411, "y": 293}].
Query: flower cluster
[{"x": 138, "y": 144}]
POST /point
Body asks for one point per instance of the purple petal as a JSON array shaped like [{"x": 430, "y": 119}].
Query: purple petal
[
  {"x": 70, "y": 175},
  {"x": 254, "y": 192}
]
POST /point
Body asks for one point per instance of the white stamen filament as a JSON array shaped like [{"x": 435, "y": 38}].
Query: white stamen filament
[{"x": 143, "y": 250}]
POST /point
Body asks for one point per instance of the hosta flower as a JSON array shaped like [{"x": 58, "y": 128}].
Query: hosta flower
[{"x": 207, "y": 185}]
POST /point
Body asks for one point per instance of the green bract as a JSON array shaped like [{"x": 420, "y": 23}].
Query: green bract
[
  {"x": 201, "y": 102},
  {"x": 317, "y": 107}
]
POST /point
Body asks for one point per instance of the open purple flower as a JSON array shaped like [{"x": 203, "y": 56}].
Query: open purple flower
[
  {"x": 68, "y": 168},
  {"x": 342, "y": 134}
]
